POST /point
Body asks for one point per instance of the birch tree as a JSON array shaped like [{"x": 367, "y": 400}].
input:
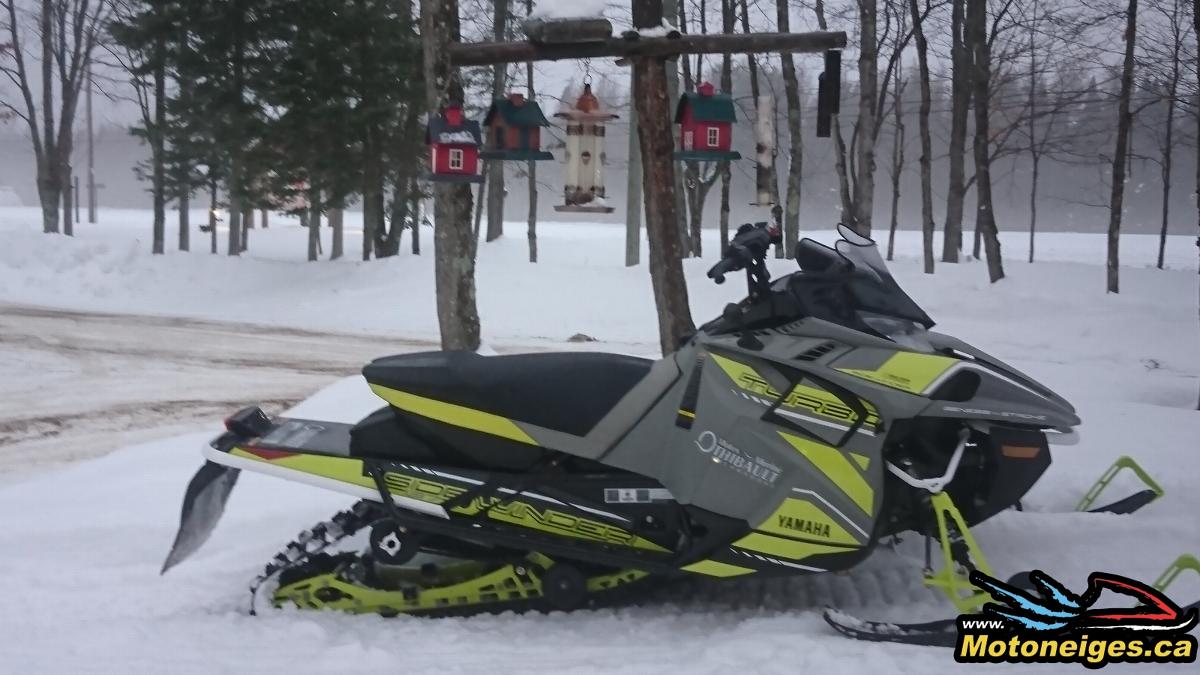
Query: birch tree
[
  {"x": 926, "y": 160},
  {"x": 61, "y": 48}
]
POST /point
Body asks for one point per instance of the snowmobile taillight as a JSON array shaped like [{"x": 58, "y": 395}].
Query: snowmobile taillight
[{"x": 248, "y": 422}]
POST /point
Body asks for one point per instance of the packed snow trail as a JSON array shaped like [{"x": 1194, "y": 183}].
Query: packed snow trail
[{"x": 74, "y": 385}]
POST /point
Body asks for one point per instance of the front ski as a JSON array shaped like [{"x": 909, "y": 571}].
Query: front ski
[{"x": 943, "y": 633}]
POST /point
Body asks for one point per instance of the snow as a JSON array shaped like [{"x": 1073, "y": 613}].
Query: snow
[
  {"x": 568, "y": 9},
  {"x": 83, "y": 543}
]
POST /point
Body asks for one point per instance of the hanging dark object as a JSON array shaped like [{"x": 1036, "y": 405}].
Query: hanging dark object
[
  {"x": 829, "y": 93},
  {"x": 515, "y": 130},
  {"x": 705, "y": 120},
  {"x": 583, "y": 191},
  {"x": 453, "y": 144}
]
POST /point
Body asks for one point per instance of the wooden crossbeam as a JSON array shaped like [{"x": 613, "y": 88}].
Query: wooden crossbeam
[{"x": 489, "y": 53}]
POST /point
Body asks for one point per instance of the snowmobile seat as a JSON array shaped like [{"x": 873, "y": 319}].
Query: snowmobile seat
[{"x": 564, "y": 391}]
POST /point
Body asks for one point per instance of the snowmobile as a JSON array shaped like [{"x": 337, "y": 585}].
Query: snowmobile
[{"x": 811, "y": 420}]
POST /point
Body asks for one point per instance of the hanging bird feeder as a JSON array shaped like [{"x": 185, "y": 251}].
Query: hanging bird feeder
[
  {"x": 705, "y": 120},
  {"x": 453, "y": 144},
  {"x": 583, "y": 191},
  {"x": 515, "y": 130}
]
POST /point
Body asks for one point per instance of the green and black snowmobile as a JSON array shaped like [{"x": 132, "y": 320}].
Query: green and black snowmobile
[{"x": 812, "y": 419}]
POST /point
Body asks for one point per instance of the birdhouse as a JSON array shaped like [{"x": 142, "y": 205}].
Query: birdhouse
[
  {"x": 453, "y": 144},
  {"x": 583, "y": 190},
  {"x": 515, "y": 130},
  {"x": 705, "y": 120}
]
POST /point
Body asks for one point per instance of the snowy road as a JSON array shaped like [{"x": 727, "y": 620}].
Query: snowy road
[{"x": 76, "y": 385}]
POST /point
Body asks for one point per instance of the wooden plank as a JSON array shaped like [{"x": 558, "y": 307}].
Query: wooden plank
[{"x": 489, "y": 53}]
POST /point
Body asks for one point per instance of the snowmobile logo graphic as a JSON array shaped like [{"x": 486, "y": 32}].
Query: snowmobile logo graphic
[
  {"x": 724, "y": 452},
  {"x": 1043, "y": 622}
]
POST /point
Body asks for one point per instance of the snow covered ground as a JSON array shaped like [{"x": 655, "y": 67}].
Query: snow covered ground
[{"x": 82, "y": 544}]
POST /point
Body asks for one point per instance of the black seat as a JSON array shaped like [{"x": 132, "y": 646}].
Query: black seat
[{"x": 564, "y": 391}]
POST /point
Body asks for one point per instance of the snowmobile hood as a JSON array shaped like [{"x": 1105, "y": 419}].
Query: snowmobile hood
[{"x": 1002, "y": 393}]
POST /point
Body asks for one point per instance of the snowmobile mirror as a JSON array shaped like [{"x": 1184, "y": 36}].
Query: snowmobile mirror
[{"x": 829, "y": 93}]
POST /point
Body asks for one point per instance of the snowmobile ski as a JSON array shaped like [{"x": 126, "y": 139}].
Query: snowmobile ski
[
  {"x": 940, "y": 633},
  {"x": 203, "y": 504}
]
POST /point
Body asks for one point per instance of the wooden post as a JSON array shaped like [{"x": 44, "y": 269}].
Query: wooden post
[
  {"x": 633, "y": 191},
  {"x": 662, "y": 221},
  {"x": 454, "y": 262}
]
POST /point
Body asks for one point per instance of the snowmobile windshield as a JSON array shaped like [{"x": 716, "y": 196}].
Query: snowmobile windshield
[{"x": 872, "y": 285}]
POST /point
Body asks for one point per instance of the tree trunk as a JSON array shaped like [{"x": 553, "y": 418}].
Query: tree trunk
[
  {"x": 670, "y": 16},
  {"x": 454, "y": 264},
  {"x": 495, "y": 168},
  {"x": 68, "y": 199},
  {"x": 633, "y": 189},
  {"x": 926, "y": 160},
  {"x": 335, "y": 223},
  {"x": 985, "y": 219},
  {"x": 262, "y": 217},
  {"x": 727, "y": 23},
  {"x": 531, "y": 166},
  {"x": 374, "y": 225},
  {"x": 314, "y": 224},
  {"x": 765, "y": 176},
  {"x": 960, "y": 99},
  {"x": 1196, "y": 36},
  {"x": 1168, "y": 142},
  {"x": 212, "y": 217},
  {"x": 247, "y": 225},
  {"x": 1124, "y": 124},
  {"x": 897, "y": 162},
  {"x": 185, "y": 226},
  {"x": 791, "y": 93},
  {"x": 415, "y": 209},
  {"x": 657, "y": 144},
  {"x": 868, "y": 76},
  {"x": 1034, "y": 176}
]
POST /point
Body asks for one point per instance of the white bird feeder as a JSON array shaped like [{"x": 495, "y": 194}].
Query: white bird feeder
[{"x": 584, "y": 188}]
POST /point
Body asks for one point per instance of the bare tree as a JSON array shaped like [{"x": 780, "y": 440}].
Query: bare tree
[
  {"x": 727, "y": 25},
  {"x": 531, "y": 166},
  {"x": 67, "y": 34},
  {"x": 791, "y": 93},
  {"x": 1163, "y": 48},
  {"x": 926, "y": 161},
  {"x": 960, "y": 101},
  {"x": 698, "y": 179},
  {"x": 977, "y": 38},
  {"x": 495, "y": 167},
  {"x": 897, "y": 166},
  {"x": 1124, "y": 124}
]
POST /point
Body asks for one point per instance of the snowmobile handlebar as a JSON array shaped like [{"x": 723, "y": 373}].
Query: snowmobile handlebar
[{"x": 748, "y": 248}]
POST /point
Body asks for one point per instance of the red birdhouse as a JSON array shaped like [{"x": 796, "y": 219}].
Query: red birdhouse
[
  {"x": 705, "y": 120},
  {"x": 454, "y": 147}
]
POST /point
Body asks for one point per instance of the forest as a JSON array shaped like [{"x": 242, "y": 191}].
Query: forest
[{"x": 311, "y": 107}]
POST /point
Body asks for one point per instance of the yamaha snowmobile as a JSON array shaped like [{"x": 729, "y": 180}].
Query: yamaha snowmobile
[{"x": 811, "y": 420}]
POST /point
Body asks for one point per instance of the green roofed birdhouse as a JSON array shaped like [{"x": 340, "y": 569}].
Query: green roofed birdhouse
[
  {"x": 453, "y": 144},
  {"x": 705, "y": 120},
  {"x": 515, "y": 130}
]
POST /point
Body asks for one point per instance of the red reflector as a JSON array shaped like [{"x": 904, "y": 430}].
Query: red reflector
[{"x": 270, "y": 454}]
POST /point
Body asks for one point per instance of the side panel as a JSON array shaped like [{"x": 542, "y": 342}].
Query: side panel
[{"x": 786, "y": 476}]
